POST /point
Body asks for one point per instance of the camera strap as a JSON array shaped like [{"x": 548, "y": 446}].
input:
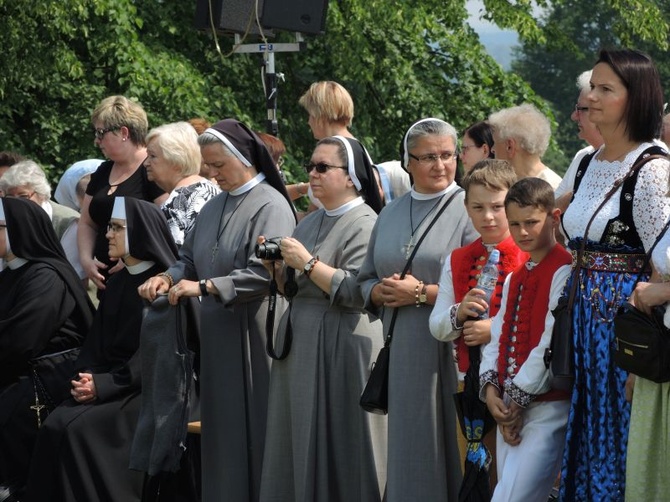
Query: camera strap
[{"x": 290, "y": 290}]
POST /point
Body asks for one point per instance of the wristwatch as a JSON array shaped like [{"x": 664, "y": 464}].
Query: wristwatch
[
  {"x": 309, "y": 266},
  {"x": 423, "y": 296},
  {"x": 203, "y": 287}
]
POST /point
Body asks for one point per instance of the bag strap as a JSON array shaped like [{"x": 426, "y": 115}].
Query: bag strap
[
  {"x": 647, "y": 257},
  {"x": 408, "y": 265},
  {"x": 608, "y": 196}
]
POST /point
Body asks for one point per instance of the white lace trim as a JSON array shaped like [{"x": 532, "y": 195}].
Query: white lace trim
[{"x": 651, "y": 206}]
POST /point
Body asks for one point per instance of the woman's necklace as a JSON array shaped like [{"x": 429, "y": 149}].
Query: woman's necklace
[
  {"x": 220, "y": 230},
  {"x": 119, "y": 180},
  {"x": 409, "y": 247}
]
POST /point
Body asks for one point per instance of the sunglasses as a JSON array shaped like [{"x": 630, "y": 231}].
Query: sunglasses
[{"x": 321, "y": 167}]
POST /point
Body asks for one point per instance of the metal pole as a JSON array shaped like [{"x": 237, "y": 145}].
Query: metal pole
[{"x": 271, "y": 126}]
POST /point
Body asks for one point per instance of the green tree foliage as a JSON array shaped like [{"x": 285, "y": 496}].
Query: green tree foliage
[
  {"x": 574, "y": 33},
  {"x": 401, "y": 60}
]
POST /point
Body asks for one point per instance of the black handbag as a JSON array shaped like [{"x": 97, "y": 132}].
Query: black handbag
[
  {"x": 642, "y": 342},
  {"x": 559, "y": 357},
  {"x": 374, "y": 398}
]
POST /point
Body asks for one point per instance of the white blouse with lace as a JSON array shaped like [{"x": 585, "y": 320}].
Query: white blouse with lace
[{"x": 651, "y": 205}]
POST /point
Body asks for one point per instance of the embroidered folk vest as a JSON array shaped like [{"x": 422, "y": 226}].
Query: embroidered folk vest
[
  {"x": 466, "y": 266},
  {"x": 524, "y": 318}
]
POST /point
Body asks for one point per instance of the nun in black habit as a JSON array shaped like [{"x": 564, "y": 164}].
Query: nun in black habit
[
  {"x": 217, "y": 262},
  {"x": 44, "y": 316},
  {"x": 83, "y": 449}
]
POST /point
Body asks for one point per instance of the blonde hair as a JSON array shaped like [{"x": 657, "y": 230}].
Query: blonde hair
[
  {"x": 118, "y": 111},
  {"x": 199, "y": 124},
  {"x": 328, "y": 101},
  {"x": 525, "y": 124},
  {"x": 178, "y": 143},
  {"x": 493, "y": 174}
]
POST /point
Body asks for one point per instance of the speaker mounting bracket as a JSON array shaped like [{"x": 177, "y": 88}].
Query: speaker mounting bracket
[{"x": 270, "y": 80}]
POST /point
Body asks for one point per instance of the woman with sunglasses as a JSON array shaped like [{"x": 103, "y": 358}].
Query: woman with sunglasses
[
  {"x": 120, "y": 126},
  {"x": 423, "y": 460},
  {"x": 319, "y": 441}
]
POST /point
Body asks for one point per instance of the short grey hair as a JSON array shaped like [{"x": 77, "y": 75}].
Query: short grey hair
[
  {"x": 584, "y": 81},
  {"x": 206, "y": 139},
  {"x": 430, "y": 128},
  {"x": 26, "y": 173},
  {"x": 525, "y": 124},
  {"x": 178, "y": 142}
]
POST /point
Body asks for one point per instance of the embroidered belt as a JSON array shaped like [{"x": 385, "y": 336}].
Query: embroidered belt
[{"x": 611, "y": 262}]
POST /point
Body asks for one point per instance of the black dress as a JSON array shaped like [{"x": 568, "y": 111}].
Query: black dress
[
  {"x": 44, "y": 316},
  {"x": 100, "y": 209},
  {"x": 75, "y": 436},
  {"x": 83, "y": 450}
]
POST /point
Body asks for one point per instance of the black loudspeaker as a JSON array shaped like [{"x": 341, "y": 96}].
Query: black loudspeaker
[
  {"x": 304, "y": 16},
  {"x": 234, "y": 16}
]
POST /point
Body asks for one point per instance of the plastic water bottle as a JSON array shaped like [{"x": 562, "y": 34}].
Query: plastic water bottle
[{"x": 488, "y": 279}]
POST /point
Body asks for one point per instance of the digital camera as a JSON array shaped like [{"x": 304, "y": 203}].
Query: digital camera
[{"x": 269, "y": 250}]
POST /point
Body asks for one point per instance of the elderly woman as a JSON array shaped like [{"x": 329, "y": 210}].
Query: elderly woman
[
  {"x": 120, "y": 126},
  {"x": 173, "y": 163},
  {"x": 626, "y": 104},
  {"x": 319, "y": 441},
  {"x": 521, "y": 136},
  {"x": 83, "y": 448},
  {"x": 26, "y": 180},
  {"x": 476, "y": 145},
  {"x": 44, "y": 316},
  {"x": 423, "y": 461},
  {"x": 217, "y": 262}
]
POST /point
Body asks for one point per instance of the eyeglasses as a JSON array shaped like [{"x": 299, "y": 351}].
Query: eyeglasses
[
  {"x": 114, "y": 227},
  {"x": 580, "y": 109},
  {"x": 321, "y": 167},
  {"x": 464, "y": 148},
  {"x": 430, "y": 159},
  {"x": 22, "y": 195},
  {"x": 100, "y": 133}
]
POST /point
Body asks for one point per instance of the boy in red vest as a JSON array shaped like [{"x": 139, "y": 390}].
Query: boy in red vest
[
  {"x": 458, "y": 300},
  {"x": 531, "y": 416}
]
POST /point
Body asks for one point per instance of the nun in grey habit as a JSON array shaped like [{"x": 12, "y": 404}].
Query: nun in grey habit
[
  {"x": 320, "y": 444},
  {"x": 217, "y": 262},
  {"x": 423, "y": 461}
]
